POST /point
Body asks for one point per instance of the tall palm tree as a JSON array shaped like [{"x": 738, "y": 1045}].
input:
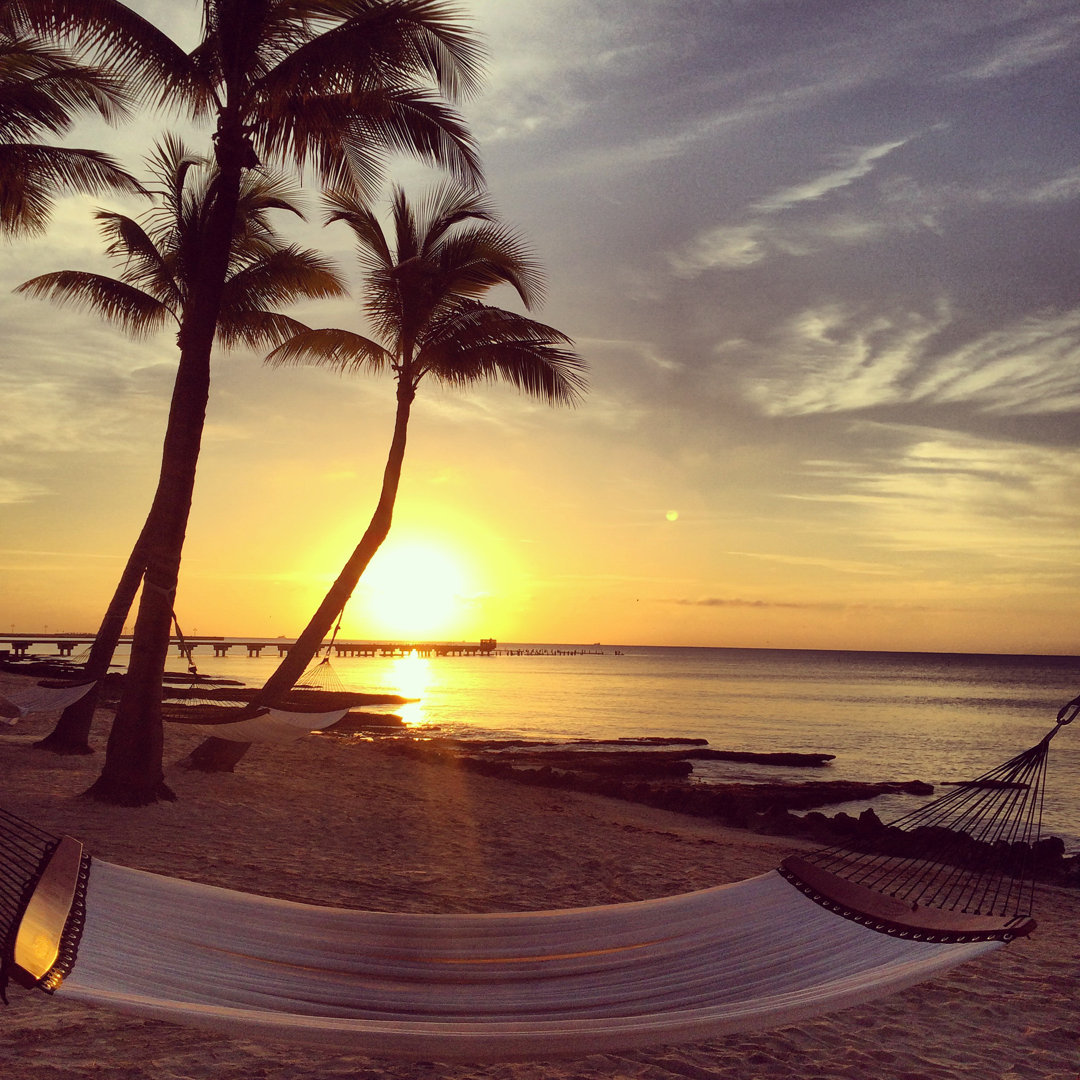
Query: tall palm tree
[
  {"x": 157, "y": 256},
  {"x": 329, "y": 85},
  {"x": 42, "y": 89},
  {"x": 421, "y": 298}
]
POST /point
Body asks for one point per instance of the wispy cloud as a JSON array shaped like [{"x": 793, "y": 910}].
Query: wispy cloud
[
  {"x": 973, "y": 498},
  {"x": 841, "y": 360},
  {"x": 1027, "y": 48},
  {"x": 14, "y": 490},
  {"x": 853, "y": 165}
]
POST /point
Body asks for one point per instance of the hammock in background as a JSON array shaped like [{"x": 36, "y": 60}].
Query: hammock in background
[
  {"x": 212, "y": 714},
  {"x": 270, "y": 726},
  {"x": 773, "y": 950},
  {"x": 20, "y": 702}
]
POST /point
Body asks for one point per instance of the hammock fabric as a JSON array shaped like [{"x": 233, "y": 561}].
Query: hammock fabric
[
  {"x": 17, "y": 703},
  {"x": 271, "y": 726},
  {"x": 268, "y": 725},
  {"x": 483, "y": 987},
  {"x": 773, "y": 950}
]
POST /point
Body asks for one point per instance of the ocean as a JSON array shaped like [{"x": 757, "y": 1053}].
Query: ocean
[{"x": 885, "y": 716}]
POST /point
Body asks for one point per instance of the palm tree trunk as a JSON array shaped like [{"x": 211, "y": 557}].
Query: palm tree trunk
[
  {"x": 133, "y": 773},
  {"x": 222, "y": 755},
  {"x": 72, "y": 732}
]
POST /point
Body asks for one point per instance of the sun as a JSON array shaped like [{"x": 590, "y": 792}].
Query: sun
[{"x": 413, "y": 590}]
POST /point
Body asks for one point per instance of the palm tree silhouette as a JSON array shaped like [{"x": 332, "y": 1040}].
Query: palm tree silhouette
[
  {"x": 157, "y": 256},
  {"x": 421, "y": 298},
  {"x": 327, "y": 85},
  {"x": 42, "y": 89}
]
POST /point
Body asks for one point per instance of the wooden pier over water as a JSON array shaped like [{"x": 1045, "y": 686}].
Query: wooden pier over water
[{"x": 19, "y": 645}]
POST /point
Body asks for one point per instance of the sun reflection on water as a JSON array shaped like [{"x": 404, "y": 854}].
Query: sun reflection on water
[{"x": 411, "y": 675}]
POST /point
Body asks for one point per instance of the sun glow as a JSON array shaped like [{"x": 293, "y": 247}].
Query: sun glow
[
  {"x": 410, "y": 675},
  {"x": 414, "y": 590}
]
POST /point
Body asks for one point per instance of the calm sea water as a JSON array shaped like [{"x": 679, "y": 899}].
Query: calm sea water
[{"x": 885, "y": 716}]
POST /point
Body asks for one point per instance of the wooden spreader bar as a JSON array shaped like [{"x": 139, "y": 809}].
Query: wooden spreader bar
[{"x": 895, "y": 916}]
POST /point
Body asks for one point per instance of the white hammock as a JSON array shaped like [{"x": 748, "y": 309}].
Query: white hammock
[
  {"x": 492, "y": 987},
  {"x": 20, "y": 702},
  {"x": 273, "y": 726}
]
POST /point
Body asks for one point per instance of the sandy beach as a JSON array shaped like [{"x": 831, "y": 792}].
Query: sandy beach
[{"x": 329, "y": 821}]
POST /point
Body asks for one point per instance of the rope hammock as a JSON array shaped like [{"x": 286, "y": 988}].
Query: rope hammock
[
  {"x": 43, "y": 697},
  {"x": 210, "y": 715},
  {"x": 512, "y": 986}
]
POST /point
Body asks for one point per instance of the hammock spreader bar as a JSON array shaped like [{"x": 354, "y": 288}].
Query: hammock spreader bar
[
  {"x": 964, "y": 864},
  {"x": 42, "y": 903}
]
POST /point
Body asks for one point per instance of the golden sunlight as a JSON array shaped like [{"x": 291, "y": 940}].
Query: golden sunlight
[
  {"x": 413, "y": 590},
  {"x": 410, "y": 675}
]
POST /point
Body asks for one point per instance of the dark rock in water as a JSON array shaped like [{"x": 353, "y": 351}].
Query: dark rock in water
[
  {"x": 66, "y": 670},
  {"x": 644, "y": 740},
  {"x": 356, "y": 721},
  {"x": 606, "y": 762},
  {"x": 797, "y": 760}
]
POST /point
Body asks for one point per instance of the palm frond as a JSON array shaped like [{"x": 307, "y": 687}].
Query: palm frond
[
  {"x": 41, "y": 88},
  {"x": 118, "y": 39},
  {"x": 407, "y": 41},
  {"x": 480, "y": 256},
  {"x": 447, "y": 204},
  {"x": 282, "y": 276},
  {"x": 138, "y": 313},
  {"x": 372, "y": 248},
  {"x": 257, "y": 329},
  {"x": 144, "y": 263},
  {"x": 347, "y": 137},
  {"x": 479, "y": 342},
  {"x": 340, "y": 349},
  {"x": 31, "y": 176}
]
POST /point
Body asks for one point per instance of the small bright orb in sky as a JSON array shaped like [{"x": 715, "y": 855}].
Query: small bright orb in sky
[
  {"x": 412, "y": 590},
  {"x": 672, "y": 515}
]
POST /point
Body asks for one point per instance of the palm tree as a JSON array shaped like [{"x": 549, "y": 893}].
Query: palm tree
[
  {"x": 41, "y": 91},
  {"x": 329, "y": 85},
  {"x": 157, "y": 256},
  {"x": 422, "y": 290}
]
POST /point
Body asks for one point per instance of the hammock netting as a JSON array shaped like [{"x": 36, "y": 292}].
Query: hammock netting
[
  {"x": 973, "y": 851},
  {"x": 827, "y": 930},
  {"x": 42, "y": 697}
]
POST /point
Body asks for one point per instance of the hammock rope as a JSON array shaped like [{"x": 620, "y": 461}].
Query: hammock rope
[
  {"x": 45, "y": 696},
  {"x": 973, "y": 851}
]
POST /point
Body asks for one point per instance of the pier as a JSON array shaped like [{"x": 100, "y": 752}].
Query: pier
[{"x": 19, "y": 645}]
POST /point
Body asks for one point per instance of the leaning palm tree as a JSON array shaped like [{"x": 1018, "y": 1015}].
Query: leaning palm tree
[
  {"x": 42, "y": 90},
  {"x": 157, "y": 257},
  {"x": 329, "y": 85},
  {"x": 422, "y": 290}
]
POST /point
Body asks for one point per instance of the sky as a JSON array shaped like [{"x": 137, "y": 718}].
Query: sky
[{"x": 823, "y": 262}]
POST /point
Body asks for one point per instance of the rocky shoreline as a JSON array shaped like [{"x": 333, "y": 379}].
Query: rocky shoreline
[
  {"x": 652, "y": 771},
  {"x": 637, "y": 771}
]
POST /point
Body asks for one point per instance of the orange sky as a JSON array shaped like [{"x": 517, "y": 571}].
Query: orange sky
[{"x": 827, "y": 289}]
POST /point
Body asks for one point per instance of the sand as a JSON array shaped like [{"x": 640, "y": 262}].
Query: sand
[{"x": 330, "y": 821}]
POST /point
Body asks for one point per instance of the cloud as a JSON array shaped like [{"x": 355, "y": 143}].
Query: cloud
[
  {"x": 853, "y": 165},
  {"x": 1024, "y": 49},
  {"x": 14, "y": 490},
  {"x": 841, "y": 360},
  {"x": 800, "y": 605},
  {"x": 778, "y": 223},
  {"x": 919, "y": 490}
]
